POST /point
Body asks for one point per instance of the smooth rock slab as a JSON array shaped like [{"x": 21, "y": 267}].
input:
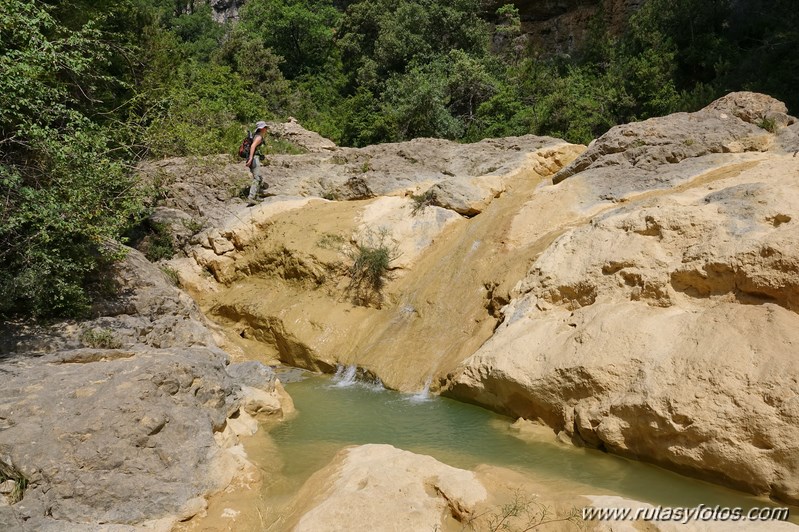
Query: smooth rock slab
[{"x": 382, "y": 488}]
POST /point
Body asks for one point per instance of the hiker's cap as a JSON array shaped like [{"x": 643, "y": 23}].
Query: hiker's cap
[{"x": 260, "y": 125}]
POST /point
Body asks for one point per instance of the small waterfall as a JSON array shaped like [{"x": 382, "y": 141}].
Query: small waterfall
[
  {"x": 345, "y": 376},
  {"x": 422, "y": 395},
  {"x": 352, "y": 375}
]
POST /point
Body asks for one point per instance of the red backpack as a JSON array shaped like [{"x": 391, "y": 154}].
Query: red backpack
[{"x": 246, "y": 144}]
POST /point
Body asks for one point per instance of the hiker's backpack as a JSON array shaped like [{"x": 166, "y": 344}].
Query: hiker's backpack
[{"x": 246, "y": 144}]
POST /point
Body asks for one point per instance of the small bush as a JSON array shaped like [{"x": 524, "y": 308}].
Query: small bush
[
  {"x": 521, "y": 514},
  {"x": 371, "y": 268},
  {"x": 100, "y": 339},
  {"x": 8, "y": 472},
  {"x": 422, "y": 201},
  {"x": 330, "y": 195},
  {"x": 195, "y": 226},
  {"x": 769, "y": 124},
  {"x": 283, "y": 147},
  {"x": 153, "y": 239},
  {"x": 171, "y": 274},
  {"x": 330, "y": 241}
]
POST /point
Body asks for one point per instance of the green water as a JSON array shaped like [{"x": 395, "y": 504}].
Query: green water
[{"x": 332, "y": 417}]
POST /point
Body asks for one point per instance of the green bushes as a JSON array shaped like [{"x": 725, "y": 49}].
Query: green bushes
[
  {"x": 100, "y": 339},
  {"x": 371, "y": 267},
  {"x": 66, "y": 193}
]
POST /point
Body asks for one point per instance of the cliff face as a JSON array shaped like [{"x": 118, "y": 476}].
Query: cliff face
[
  {"x": 562, "y": 26},
  {"x": 224, "y": 10},
  {"x": 658, "y": 327},
  {"x": 221, "y": 10}
]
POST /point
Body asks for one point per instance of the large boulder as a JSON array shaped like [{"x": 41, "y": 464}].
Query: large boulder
[
  {"x": 115, "y": 436},
  {"x": 293, "y": 132},
  {"x": 123, "y": 420},
  {"x": 663, "y": 327},
  {"x": 660, "y": 153},
  {"x": 379, "y": 487}
]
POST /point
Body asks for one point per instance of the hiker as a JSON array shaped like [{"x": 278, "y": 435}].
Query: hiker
[{"x": 254, "y": 162}]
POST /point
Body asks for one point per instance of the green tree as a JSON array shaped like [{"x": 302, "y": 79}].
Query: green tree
[
  {"x": 64, "y": 197},
  {"x": 299, "y": 31},
  {"x": 201, "y": 112},
  {"x": 416, "y": 104}
]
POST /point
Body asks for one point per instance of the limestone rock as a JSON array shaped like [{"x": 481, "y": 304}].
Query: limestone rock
[
  {"x": 662, "y": 327},
  {"x": 411, "y": 233},
  {"x": 178, "y": 224},
  {"x": 563, "y": 27},
  {"x": 662, "y": 152},
  {"x": 225, "y": 10},
  {"x": 208, "y": 190},
  {"x": 258, "y": 403},
  {"x": 287, "y": 294},
  {"x": 293, "y": 132},
  {"x": 397, "y": 169},
  {"x": 379, "y": 487},
  {"x": 749, "y": 106},
  {"x": 119, "y": 441},
  {"x": 7, "y": 487},
  {"x": 123, "y": 433},
  {"x": 254, "y": 374},
  {"x": 219, "y": 244},
  {"x": 467, "y": 197}
]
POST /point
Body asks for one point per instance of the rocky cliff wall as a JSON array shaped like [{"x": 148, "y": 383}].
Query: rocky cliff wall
[{"x": 562, "y": 26}]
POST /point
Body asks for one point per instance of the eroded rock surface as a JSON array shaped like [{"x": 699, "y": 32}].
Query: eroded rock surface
[
  {"x": 644, "y": 303},
  {"x": 283, "y": 285},
  {"x": 380, "y": 487},
  {"x": 662, "y": 152},
  {"x": 122, "y": 421},
  {"x": 663, "y": 327}
]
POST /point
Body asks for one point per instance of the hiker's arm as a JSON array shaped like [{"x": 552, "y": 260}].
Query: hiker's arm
[
  {"x": 255, "y": 143},
  {"x": 254, "y": 146}
]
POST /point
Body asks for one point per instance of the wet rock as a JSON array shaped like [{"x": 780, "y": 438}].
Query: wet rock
[{"x": 406, "y": 231}]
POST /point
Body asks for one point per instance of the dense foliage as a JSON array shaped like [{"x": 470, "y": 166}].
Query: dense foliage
[{"x": 89, "y": 88}]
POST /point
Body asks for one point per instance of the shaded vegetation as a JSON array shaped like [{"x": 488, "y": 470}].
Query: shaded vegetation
[{"x": 88, "y": 89}]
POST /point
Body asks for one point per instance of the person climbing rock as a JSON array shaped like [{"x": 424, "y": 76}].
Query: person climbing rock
[{"x": 254, "y": 162}]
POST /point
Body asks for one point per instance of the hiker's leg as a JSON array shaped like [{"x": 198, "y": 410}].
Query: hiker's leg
[{"x": 256, "y": 178}]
